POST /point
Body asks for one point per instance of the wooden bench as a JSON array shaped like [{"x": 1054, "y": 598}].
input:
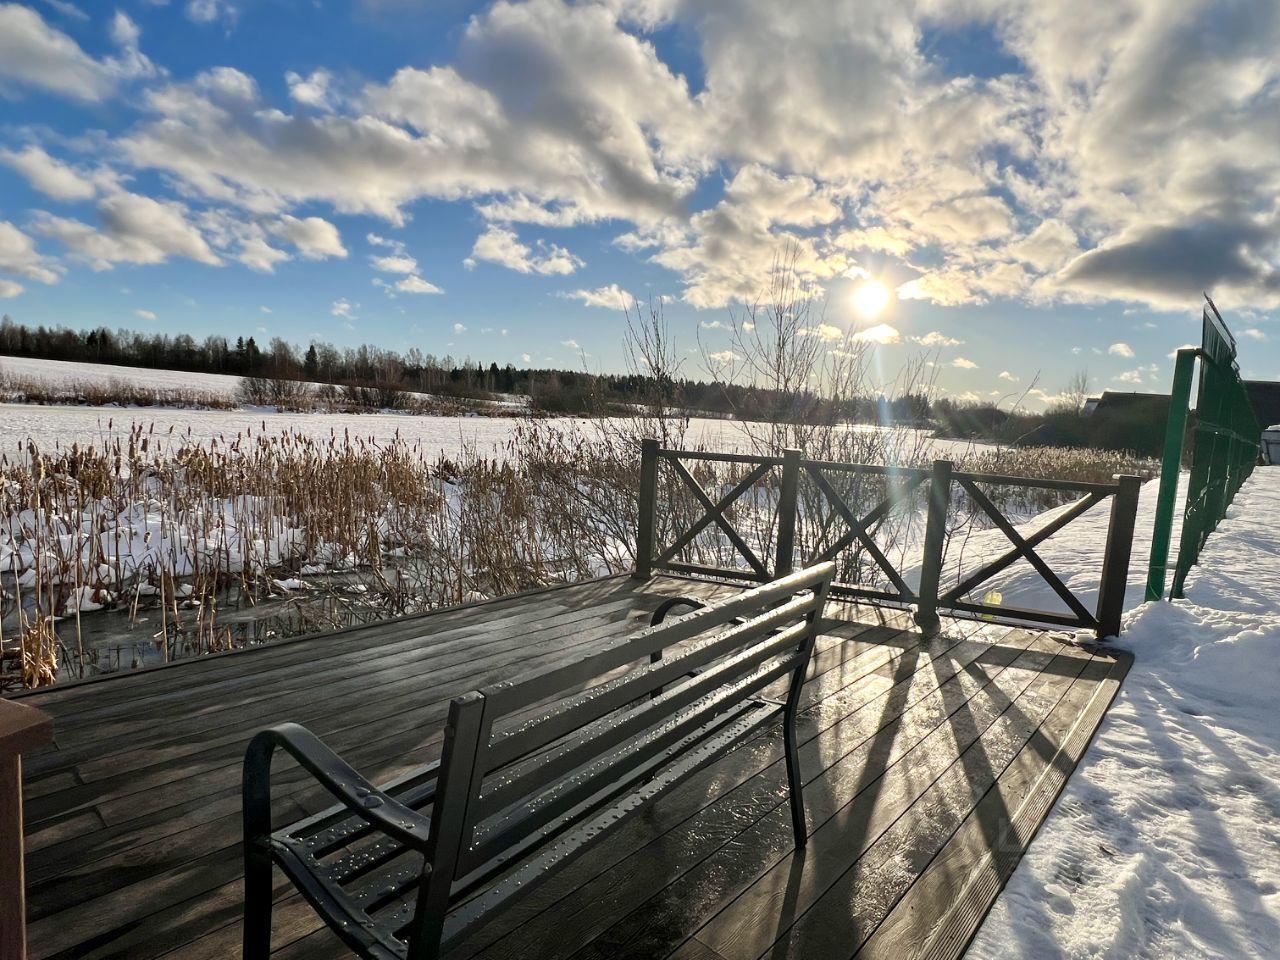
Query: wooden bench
[{"x": 531, "y": 772}]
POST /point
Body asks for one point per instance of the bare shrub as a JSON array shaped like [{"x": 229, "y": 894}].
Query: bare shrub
[
  {"x": 292, "y": 395},
  {"x": 114, "y": 392}
]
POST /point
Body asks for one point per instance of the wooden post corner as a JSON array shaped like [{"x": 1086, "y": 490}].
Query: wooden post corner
[{"x": 22, "y": 728}]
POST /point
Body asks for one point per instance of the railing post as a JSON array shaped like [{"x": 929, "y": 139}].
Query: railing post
[
  {"x": 21, "y": 729},
  {"x": 935, "y": 536},
  {"x": 784, "y": 559},
  {"x": 1170, "y": 470},
  {"x": 1115, "y": 562},
  {"x": 648, "y": 497}
]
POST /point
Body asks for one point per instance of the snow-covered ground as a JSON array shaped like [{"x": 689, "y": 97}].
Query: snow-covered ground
[
  {"x": 63, "y": 373},
  {"x": 65, "y": 425},
  {"x": 1166, "y": 841}
]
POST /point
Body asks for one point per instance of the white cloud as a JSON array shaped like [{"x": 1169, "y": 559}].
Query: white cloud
[
  {"x": 525, "y": 358},
  {"x": 610, "y": 297},
  {"x": 311, "y": 91},
  {"x": 256, "y": 254},
  {"x": 49, "y": 175},
  {"x": 395, "y": 264},
  {"x": 459, "y": 328},
  {"x": 8, "y": 289},
  {"x": 1253, "y": 333},
  {"x": 571, "y": 344},
  {"x": 881, "y": 333},
  {"x": 500, "y": 245},
  {"x": 67, "y": 9},
  {"x": 1006, "y": 375},
  {"x": 18, "y": 256},
  {"x": 1081, "y": 176},
  {"x": 135, "y": 229},
  {"x": 827, "y": 332},
  {"x": 723, "y": 357},
  {"x": 34, "y": 54},
  {"x": 315, "y": 238},
  {"x": 265, "y": 309},
  {"x": 1051, "y": 244},
  {"x": 416, "y": 284},
  {"x": 147, "y": 315},
  {"x": 210, "y": 11},
  {"x": 344, "y": 308},
  {"x": 1120, "y": 350},
  {"x": 964, "y": 363},
  {"x": 935, "y": 338}
]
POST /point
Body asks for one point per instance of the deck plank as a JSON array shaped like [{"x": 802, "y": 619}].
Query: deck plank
[
  {"x": 942, "y": 910},
  {"x": 938, "y": 753}
]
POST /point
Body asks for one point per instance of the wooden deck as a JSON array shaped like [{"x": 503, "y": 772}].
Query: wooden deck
[{"x": 929, "y": 764}]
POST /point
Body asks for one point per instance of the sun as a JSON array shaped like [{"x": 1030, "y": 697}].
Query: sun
[{"x": 870, "y": 298}]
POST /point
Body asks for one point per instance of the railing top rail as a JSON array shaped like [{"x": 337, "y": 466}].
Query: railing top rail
[
  {"x": 718, "y": 457},
  {"x": 896, "y": 471},
  {"x": 1071, "y": 486}
]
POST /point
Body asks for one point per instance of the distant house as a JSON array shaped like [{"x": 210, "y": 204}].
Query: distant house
[
  {"x": 1128, "y": 421},
  {"x": 1114, "y": 403},
  {"x": 1265, "y": 397}
]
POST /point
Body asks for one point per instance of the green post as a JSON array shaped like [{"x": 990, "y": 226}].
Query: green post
[{"x": 1170, "y": 468}]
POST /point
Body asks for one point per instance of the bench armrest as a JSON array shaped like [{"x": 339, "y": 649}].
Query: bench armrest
[
  {"x": 334, "y": 774},
  {"x": 666, "y": 606}
]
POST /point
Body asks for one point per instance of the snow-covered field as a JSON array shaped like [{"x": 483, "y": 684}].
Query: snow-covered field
[
  {"x": 63, "y": 373},
  {"x": 1166, "y": 841},
  {"x": 65, "y": 425}
]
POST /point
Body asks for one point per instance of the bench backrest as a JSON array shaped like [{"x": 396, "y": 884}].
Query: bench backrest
[{"x": 526, "y": 759}]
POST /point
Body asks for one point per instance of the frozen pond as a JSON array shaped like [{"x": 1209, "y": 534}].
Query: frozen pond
[{"x": 49, "y": 425}]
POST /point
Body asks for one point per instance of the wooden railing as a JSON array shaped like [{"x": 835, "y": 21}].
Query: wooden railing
[{"x": 838, "y": 522}]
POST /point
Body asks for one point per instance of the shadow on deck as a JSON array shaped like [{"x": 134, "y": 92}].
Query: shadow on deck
[{"x": 929, "y": 765}]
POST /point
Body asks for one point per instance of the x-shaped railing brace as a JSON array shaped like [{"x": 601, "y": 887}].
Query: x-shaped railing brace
[
  {"x": 858, "y": 528},
  {"x": 1023, "y": 547},
  {"x": 715, "y": 513}
]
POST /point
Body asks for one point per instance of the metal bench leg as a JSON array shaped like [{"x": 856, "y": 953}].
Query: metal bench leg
[
  {"x": 256, "y": 812},
  {"x": 257, "y": 903},
  {"x": 795, "y": 783}
]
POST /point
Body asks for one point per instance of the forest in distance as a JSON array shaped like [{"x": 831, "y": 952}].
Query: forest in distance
[{"x": 369, "y": 377}]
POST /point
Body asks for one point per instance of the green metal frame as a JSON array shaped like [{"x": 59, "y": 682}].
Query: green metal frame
[{"x": 1224, "y": 451}]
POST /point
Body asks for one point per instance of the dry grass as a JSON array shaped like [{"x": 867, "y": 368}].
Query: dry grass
[
  {"x": 175, "y": 528},
  {"x": 115, "y": 391},
  {"x": 179, "y": 532}
]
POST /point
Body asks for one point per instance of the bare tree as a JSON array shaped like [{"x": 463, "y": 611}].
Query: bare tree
[{"x": 1076, "y": 392}]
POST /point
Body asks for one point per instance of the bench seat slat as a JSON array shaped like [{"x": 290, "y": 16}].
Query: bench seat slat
[
  {"x": 615, "y": 767},
  {"x": 677, "y": 765},
  {"x": 335, "y": 827},
  {"x": 511, "y": 695},
  {"x": 590, "y": 705},
  {"x": 679, "y": 700}
]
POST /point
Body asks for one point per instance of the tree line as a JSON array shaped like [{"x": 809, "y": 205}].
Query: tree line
[
  {"x": 550, "y": 389},
  {"x": 568, "y": 391}
]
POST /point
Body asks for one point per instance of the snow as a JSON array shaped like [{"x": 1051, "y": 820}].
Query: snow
[
  {"x": 66, "y": 373},
  {"x": 1166, "y": 841},
  {"x": 64, "y": 425}
]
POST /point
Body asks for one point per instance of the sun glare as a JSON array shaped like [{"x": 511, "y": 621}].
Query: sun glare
[{"x": 870, "y": 298}]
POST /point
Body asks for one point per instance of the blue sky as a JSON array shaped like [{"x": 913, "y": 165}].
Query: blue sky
[{"x": 1040, "y": 186}]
